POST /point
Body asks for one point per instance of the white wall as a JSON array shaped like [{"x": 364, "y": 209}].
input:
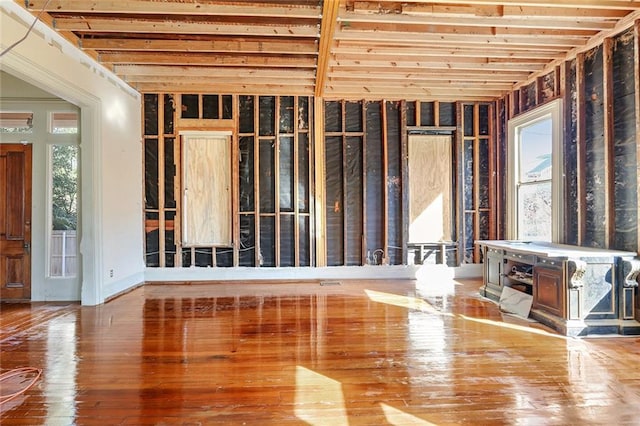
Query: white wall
[{"x": 111, "y": 153}]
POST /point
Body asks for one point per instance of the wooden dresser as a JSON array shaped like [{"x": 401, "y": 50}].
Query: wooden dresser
[{"x": 577, "y": 291}]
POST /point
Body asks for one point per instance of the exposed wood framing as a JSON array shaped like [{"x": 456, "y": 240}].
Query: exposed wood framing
[
  {"x": 161, "y": 182},
  {"x": 320, "y": 189},
  {"x": 385, "y": 178},
  {"x": 235, "y": 179},
  {"x": 327, "y": 30},
  {"x": 404, "y": 173}
]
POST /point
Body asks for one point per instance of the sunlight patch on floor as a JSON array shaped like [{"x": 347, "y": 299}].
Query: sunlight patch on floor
[
  {"x": 319, "y": 399},
  {"x": 403, "y": 301},
  {"x": 399, "y": 417}
]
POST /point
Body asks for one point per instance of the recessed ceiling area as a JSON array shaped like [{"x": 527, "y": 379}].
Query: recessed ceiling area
[{"x": 428, "y": 50}]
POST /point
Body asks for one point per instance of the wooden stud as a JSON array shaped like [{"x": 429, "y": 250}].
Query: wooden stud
[
  {"x": 385, "y": 176},
  {"x": 296, "y": 178},
  {"x": 436, "y": 113},
  {"x": 609, "y": 142},
  {"x": 476, "y": 180},
  {"x": 256, "y": 177},
  {"x": 161, "y": 182},
  {"x": 320, "y": 216},
  {"x": 364, "y": 183},
  {"x": 345, "y": 213},
  {"x": 581, "y": 148},
  {"x": 566, "y": 104},
  {"x": 404, "y": 172},
  {"x": 498, "y": 171},
  {"x": 235, "y": 181},
  {"x": 460, "y": 210},
  {"x": 636, "y": 61},
  {"x": 177, "y": 156},
  {"x": 276, "y": 174},
  {"x": 312, "y": 182},
  {"x": 493, "y": 204}
]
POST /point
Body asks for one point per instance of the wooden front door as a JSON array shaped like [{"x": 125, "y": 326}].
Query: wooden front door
[{"x": 15, "y": 222}]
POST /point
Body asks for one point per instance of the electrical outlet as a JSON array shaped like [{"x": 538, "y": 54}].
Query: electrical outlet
[{"x": 110, "y": 273}]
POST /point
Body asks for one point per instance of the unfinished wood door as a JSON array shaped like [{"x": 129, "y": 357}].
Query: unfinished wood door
[
  {"x": 15, "y": 222},
  {"x": 430, "y": 211}
]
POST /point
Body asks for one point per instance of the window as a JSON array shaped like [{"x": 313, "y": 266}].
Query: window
[
  {"x": 535, "y": 174},
  {"x": 61, "y": 122},
  {"x": 16, "y": 122},
  {"x": 64, "y": 211}
]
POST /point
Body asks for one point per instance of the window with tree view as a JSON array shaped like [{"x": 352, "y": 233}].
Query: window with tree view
[{"x": 64, "y": 210}]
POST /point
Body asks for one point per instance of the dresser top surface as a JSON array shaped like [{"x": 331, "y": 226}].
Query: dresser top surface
[{"x": 547, "y": 249}]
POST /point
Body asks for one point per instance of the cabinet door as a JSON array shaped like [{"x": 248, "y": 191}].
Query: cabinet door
[{"x": 548, "y": 290}]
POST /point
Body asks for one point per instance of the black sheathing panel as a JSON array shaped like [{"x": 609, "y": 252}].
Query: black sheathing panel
[
  {"x": 447, "y": 114},
  {"x": 286, "y": 114},
  {"x": 247, "y": 174},
  {"x": 247, "y": 240},
  {"x": 169, "y": 240},
  {"x": 571, "y": 161},
  {"x": 373, "y": 177},
  {"x": 468, "y": 175},
  {"x": 224, "y": 257},
  {"x": 267, "y": 178},
  {"x": 304, "y": 248},
  {"x": 411, "y": 113},
  {"x": 353, "y": 212},
  {"x": 547, "y": 86},
  {"x": 427, "y": 116},
  {"x": 528, "y": 94},
  {"x": 189, "y": 106},
  {"x": 469, "y": 237},
  {"x": 286, "y": 177},
  {"x": 210, "y": 106},
  {"x": 227, "y": 107},
  {"x": 152, "y": 242},
  {"x": 625, "y": 150},
  {"x": 353, "y": 117},
  {"x": 483, "y": 119},
  {"x": 468, "y": 120},
  {"x": 169, "y": 174},
  {"x": 246, "y": 119},
  {"x": 287, "y": 240},
  {"x": 150, "y": 114},
  {"x": 267, "y": 114},
  {"x": 594, "y": 144},
  {"x": 151, "y": 173},
  {"x": 204, "y": 256},
  {"x": 169, "y": 110},
  {"x": 268, "y": 240},
  {"x": 483, "y": 180},
  {"x": 332, "y": 117},
  {"x": 501, "y": 165},
  {"x": 334, "y": 199},
  {"x": 394, "y": 184},
  {"x": 303, "y": 113},
  {"x": 303, "y": 186}
]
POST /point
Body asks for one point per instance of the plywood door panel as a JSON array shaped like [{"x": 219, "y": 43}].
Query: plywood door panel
[
  {"x": 207, "y": 191},
  {"x": 429, "y": 188},
  {"x": 15, "y": 221}
]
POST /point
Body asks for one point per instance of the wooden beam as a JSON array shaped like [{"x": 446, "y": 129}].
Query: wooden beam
[
  {"x": 476, "y": 21},
  {"x": 444, "y": 64},
  {"x": 211, "y": 72},
  {"x": 175, "y": 26},
  {"x": 602, "y": 4},
  {"x": 151, "y": 7},
  {"x": 408, "y": 52},
  {"x": 207, "y": 59},
  {"x": 327, "y": 31},
  {"x": 262, "y": 89},
  {"x": 238, "y": 46}
]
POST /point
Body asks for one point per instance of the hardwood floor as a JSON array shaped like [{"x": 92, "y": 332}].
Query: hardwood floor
[{"x": 359, "y": 353}]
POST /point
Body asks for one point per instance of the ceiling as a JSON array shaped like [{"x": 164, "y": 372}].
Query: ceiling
[{"x": 428, "y": 50}]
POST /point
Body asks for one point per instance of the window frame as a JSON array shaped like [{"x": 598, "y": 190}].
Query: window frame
[{"x": 553, "y": 110}]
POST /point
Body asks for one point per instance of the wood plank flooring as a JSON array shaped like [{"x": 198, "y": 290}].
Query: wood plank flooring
[{"x": 359, "y": 353}]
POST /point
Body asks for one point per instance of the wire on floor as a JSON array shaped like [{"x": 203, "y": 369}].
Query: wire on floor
[{"x": 17, "y": 372}]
